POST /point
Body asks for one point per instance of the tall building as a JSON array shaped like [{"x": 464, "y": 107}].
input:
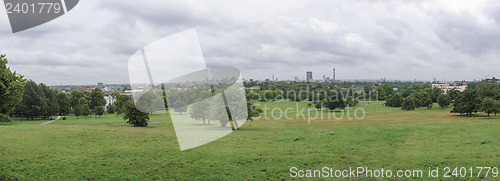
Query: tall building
[
  {"x": 333, "y": 78},
  {"x": 100, "y": 85},
  {"x": 309, "y": 76}
]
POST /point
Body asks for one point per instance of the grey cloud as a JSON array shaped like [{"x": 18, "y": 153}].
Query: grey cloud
[{"x": 392, "y": 39}]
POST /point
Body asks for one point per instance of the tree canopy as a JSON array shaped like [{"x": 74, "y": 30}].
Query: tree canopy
[{"x": 11, "y": 90}]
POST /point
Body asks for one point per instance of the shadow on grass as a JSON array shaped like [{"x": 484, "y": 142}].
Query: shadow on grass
[{"x": 472, "y": 116}]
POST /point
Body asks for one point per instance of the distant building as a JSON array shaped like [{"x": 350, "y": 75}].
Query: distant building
[
  {"x": 100, "y": 85},
  {"x": 251, "y": 80},
  {"x": 333, "y": 78},
  {"x": 309, "y": 76},
  {"x": 447, "y": 87},
  {"x": 490, "y": 80},
  {"x": 460, "y": 83},
  {"x": 296, "y": 79},
  {"x": 267, "y": 80},
  {"x": 109, "y": 101}
]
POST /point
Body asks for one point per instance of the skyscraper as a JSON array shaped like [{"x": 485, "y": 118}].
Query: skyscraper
[
  {"x": 333, "y": 75},
  {"x": 309, "y": 76}
]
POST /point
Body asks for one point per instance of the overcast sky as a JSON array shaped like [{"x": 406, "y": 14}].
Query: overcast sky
[{"x": 446, "y": 40}]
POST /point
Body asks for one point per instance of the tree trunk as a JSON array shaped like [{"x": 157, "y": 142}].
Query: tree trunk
[{"x": 236, "y": 125}]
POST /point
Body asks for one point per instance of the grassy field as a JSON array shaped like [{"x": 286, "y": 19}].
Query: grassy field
[{"x": 389, "y": 138}]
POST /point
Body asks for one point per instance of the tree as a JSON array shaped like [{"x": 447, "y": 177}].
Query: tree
[
  {"x": 351, "y": 102},
  {"x": 96, "y": 99},
  {"x": 453, "y": 93},
  {"x": 77, "y": 111},
  {"x": 135, "y": 117},
  {"x": 409, "y": 103},
  {"x": 33, "y": 101},
  {"x": 380, "y": 93},
  {"x": 63, "y": 102},
  {"x": 11, "y": 90},
  {"x": 435, "y": 93},
  {"x": 335, "y": 103},
  {"x": 394, "y": 101},
  {"x": 443, "y": 100},
  {"x": 51, "y": 107},
  {"x": 74, "y": 98},
  {"x": 99, "y": 110},
  {"x": 180, "y": 106},
  {"x": 85, "y": 109},
  {"x": 317, "y": 104},
  {"x": 199, "y": 111},
  {"x": 121, "y": 101},
  {"x": 496, "y": 107},
  {"x": 488, "y": 105},
  {"x": 252, "y": 110},
  {"x": 467, "y": 102},
  {"x": 111, "y": 109},
  {"x": 149, "y": 102}
]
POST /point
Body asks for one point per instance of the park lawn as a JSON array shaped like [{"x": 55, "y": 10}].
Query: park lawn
[{"x": 389, "y": 138}]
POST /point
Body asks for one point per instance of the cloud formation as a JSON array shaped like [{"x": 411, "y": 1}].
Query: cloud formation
[{"x": 368, "y": 39}]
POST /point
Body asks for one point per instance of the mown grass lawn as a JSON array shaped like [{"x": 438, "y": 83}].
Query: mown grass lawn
[{"x": 389, "y": 138}]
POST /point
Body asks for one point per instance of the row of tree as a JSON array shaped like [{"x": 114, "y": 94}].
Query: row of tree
[
  {"x": 478, "y": 98},
  {"x": 39, "y": 100}
]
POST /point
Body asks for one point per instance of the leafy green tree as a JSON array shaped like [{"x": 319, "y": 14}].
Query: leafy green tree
[
  {"x": 146, "y": 102},
  {"x": 496, "y": 107},
  {"x": 467, "y": 102},
  {"x": 488, "y": 105},
  {"x": 64, "y": 104},
  {"x": 135, "y": 117},
  {"x": 252, "y": 110},
  {"x": 180, "y": 106},
  {"x": 11, "y": 90},
  {"x": 409, "y": 103},
  {"x": 85, "y": 109},
  {"x": 453, "y": 93},
  {"x": 51, "y": 107},
  {"x": 335, "y": 103},
  {"x": 317, "y": 104},
  {"x": 33, "y": 101},
  {"x": 443, "y": 100},
  {"x": 380, "y": 93},
  {"x": 74, "y": 98},
  {"x": 99, "y": 111},
  {"x": 77, "y": 111},
  {"x": 351, "y": 102},
  {"x": 200, "y": 111},
  {"x": 111, "y": 109},
  {"x": 121, "y": 101},
  {"x": 394, "y": 100},
  {"x": 96, "y": 99},
  {"x": 436, "y": 92}
]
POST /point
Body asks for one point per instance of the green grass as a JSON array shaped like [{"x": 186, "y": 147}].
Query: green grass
[{"x": 389, "y": 138}]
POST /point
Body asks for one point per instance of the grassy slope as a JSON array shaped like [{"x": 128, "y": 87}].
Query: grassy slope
[{"x": 89, "y": 148}]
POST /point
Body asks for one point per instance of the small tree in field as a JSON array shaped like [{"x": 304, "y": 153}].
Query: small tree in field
[
  {"x": 409, "y": 103},
  {"x": 135, "y": 117},
  {"x": 487, "y": 106},
  {"x": 99, "y": 111}
]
